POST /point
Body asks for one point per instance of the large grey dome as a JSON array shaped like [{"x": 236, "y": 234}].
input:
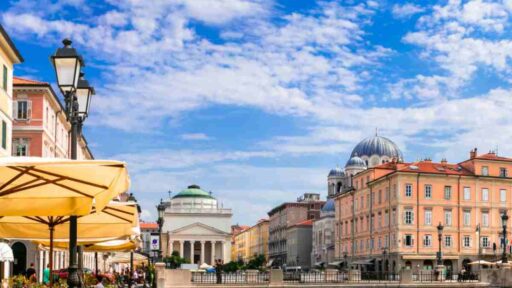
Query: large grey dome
[
  {"x": 355, "y": 161},
  {"x": 377, "y": 145},
  {"x": 336, "y": 172}
]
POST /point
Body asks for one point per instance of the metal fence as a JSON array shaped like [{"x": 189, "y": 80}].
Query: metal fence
[
  {"x": 241, "y": 277},
  {"x": 340, "y": 277},
  {"x": 434, "y": 276}
]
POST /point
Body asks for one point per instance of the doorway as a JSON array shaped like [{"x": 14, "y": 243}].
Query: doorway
[{"x": 19, "y": 251}]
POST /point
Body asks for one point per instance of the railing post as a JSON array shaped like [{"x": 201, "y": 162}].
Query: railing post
[
  {"x": 276, "y": 277},
  {"x": 160, "y": 274}
]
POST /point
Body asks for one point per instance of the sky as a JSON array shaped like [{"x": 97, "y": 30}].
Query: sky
[{"x": 256, "y": 100}]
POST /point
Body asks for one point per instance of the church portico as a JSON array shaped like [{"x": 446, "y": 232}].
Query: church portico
[{"x": 197, "y": 227}]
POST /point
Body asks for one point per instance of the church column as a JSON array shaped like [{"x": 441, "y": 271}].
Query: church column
[
  {"x": 182, "y": 244},
  {"x": 169, "y": 246},
  {"x": 202, "y": 253},
  {"x": 192, "y": 242},
  {"x": 212, "y": 252},
  {"x": 223, "y": 251}
]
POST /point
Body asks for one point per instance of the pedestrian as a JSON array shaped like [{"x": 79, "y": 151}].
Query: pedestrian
[
  {"x": 31, "y": 272},
  {"x": 100, "y": 282},
  {"x": 46, "y": 274},
  {"x": 218, "y": 270}
]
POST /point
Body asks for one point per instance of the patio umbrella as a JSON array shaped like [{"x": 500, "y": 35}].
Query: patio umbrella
[
  {"x": 481, "y": 262},
  {"x": 114, "y": 245},
  {"x": 32, "y": 186},
  {"x": 117, "y": 219}
]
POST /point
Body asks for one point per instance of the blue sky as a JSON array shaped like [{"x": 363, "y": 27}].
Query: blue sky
[{"x": 256, "y": 100}]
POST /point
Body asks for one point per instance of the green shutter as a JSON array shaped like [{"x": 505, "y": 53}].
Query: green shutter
[
  {"x": 4, "y": 135},
  {"x": 5, "y": 78}
]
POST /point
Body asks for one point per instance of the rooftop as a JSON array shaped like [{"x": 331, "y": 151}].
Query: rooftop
[
  {"x": 148, "y": 225},
  {"x": 24, "y": 81}
]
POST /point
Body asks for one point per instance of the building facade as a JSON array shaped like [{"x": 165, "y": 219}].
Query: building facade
[
  {"x": 299, "y": 244},
  {"x": 258, "y": 235},
  {"x": 9, "y": 56},
  {"x": 242, "y": 245},
  {"x": 197, "y": 226},
  {"x": 286, "y": 215},
  {"x": 323, "y": 236},
  {"x": 146, "y": 230},
  {"x": 388, "y": 221}
]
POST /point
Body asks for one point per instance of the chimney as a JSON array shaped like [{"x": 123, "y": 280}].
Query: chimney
[
  {"x": 443, "y": 161},
  {"x": 472, "y": 154},
  {"x": 427, "y": 159}
]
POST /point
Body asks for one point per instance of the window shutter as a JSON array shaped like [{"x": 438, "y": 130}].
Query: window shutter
[
  {"x": 29, "y": 109},
  {"x": 412, "y": 240},
  {"x": 14, "y": 109}
]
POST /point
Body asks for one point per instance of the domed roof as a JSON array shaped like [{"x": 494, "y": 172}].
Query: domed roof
[
  {"x": 328, "y": 206},
  {"x": 355, "y": 161},
  {"x": 378, "y": 145},
  {"x": 337, "y": 172},
  {"x": 193, "y": 191}
]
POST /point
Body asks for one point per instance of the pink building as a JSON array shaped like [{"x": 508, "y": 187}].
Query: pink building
[{"x": 40, "y": 127}]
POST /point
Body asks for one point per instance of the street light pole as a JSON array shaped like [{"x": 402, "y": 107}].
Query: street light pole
[
  {"x": 77, "y": 95},
  {"x": 504, "y": 219},
  {"x": 440, "y": 238},
  {"x": 161, "y": 213}
]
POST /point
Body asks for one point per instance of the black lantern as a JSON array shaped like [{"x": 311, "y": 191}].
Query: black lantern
[
  {"x": 504, "y": 219},
  {"x": 67, "y": 63},
  {"x": 84, "y": 94},
  {"x": 440, "y": 228}
]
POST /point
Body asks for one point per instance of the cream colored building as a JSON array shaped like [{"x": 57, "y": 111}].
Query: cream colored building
[
  {"x": 242, "y": 246},
  {"x": 9, "y": 56},
  {"x": 258, "y": 235},
  {"x": 197, "y": 226}
]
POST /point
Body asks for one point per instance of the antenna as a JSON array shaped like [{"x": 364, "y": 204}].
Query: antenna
[
  {"x": 376, "y": 131},
  {"x": 170, "y": 192}
]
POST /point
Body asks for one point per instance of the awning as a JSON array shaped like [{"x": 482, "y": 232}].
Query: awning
[
  {"x": 428, "y": 257},
  {"x": 363, "y": 262},
  {"x": 319, "y": 263},
  {"x": 5, "y": 253},
  {"x": 336, "y": 263},
  {"x": 124, "y": 257}
]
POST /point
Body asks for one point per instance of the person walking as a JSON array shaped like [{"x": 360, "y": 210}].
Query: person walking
[
  {"x": 30, "y": 274},
  {"x": 46, "y": 275}
]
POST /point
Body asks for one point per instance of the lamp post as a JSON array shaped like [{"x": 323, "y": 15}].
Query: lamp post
[
  {"x": 504, "y": 219},
  {"x": 131, "y": 198},
  {"x": 77, "y": 95},
  {"x": 161, "y": 214},
  {"x": 440, "y": 228}
]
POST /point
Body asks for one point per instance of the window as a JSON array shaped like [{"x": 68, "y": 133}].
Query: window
[
  {"x": 485, "y": 218},
  {"x": 485, "y": 242},
  {"x": 23, "y": 109},
  {"x": 447, "y": 192},
  {"x": 380, "y": 196},
  {"x": 448, "y": 217},
  {"x": 428, "y": 216},
  {"x": 466, "y": 241},
  {"x": 408, "y": 190},
  {"x": 408, "y": 241},
  {"x": 427, "y": 241},
  {"x": 4, "y": 134},
  {"x": 485, "y": 194},
  {"x": 428, "y": 191},
  {"x": 467, "y": 218},
  {"x": 4, "y": 83},
  {"x": 503, "y": 172},
  {"x": 393, "y": 217},
  {"x": 467, "y": 193},
  {"x": 20, "y": 147},
  {"x": 448, "y": 241},
  {"x": 503, "y": 195},
  {"x": 409, "y": 216},
  {"x": 485, "y": 171}
]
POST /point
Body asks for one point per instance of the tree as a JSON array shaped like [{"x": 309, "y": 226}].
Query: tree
[
  {"x": 174, "y": 261},
  {"x": 256, "y": 262}
]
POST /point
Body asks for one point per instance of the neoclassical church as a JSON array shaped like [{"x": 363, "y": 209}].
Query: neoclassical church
[
  {"x": 197, "y": 226},
  {"x": 370, "y": 152}
]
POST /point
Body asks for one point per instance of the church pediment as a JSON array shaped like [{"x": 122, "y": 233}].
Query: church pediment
[{"x": 198, "y": 229}]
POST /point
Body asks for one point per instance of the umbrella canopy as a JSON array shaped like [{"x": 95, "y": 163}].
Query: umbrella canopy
[
  {"x": 205, "y": 266},
  {"x": 117, "y": 219},
  {"x": 5, "y": 253},
  {"x": 481, "y": 262},
  {"x": 116, "y": 245},
  {"x": 32, "y": 186},
  {"x": 124, "y": 257}
]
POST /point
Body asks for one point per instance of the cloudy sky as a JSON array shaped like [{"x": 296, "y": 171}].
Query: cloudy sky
[{"x": 256, "y": 100}]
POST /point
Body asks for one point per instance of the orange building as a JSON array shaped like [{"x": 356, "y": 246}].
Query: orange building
[{"x": 387, "y": 220}]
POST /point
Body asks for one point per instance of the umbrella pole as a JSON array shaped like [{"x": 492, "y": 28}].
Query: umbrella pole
[
  {"x": 96, "y": 262},
  {"x": 51, "y": 254}
]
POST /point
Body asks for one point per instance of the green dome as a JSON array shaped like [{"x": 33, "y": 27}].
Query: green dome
[{"x": 193, "y": 191}]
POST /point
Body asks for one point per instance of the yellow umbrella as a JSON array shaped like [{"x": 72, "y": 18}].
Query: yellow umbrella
[
  {"x": 116, "y": 245},
  {"x": 32, "y": 186},
  {"x": 118, "y": 219},
  {"x": 124, "y": 257}
]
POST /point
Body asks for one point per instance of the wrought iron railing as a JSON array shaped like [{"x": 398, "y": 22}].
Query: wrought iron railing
[
  {"x": 340, "y": 277},
  {"x": 241, "y": 277}
]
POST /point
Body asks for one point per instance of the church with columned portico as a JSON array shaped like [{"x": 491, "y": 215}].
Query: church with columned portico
[{"x": 197, "y": 226}]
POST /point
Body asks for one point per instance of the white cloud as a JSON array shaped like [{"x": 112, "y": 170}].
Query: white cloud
[
  {"x": 195, "y": 136},
  {"x": 406, "y": 10}
]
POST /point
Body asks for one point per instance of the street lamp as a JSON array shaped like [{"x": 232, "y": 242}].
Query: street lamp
[
  {"x": 161, "y": 214},
  {"x": 440, "y": 238},
  {"x": 67, "y": 64},
  {"x": 504, "y": 219}
]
